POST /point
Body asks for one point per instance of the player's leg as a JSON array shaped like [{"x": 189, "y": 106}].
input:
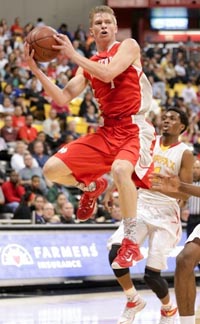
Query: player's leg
[
  {"x": 80, "y": 165},
  {"x": 185, "y": 285},
  {"x": 132, "y": 159},
  {"x": 129, "y": 253},
  {"x": 57, "y": 171},
  {"x": 134, "y": 303},
  {"x": 161, "y": 242}
]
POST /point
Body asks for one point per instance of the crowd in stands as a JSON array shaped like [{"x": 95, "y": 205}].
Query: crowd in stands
[{"x": 33, "y": 127}]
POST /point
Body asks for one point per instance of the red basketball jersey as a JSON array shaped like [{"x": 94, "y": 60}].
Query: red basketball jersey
[{"x": 128, "y": 94}]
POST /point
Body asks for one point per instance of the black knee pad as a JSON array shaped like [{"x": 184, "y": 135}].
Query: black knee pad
[
  {"x": 112, "y": 255},
  {"x": 157, "y": 284}
]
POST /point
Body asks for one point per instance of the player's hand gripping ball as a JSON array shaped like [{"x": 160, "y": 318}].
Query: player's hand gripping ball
[{"x": 41, "y": 40}]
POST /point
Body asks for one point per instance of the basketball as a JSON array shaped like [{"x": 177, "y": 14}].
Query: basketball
[{"x": 41, "y": 40}]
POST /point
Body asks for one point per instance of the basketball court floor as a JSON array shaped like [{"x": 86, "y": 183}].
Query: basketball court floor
[{"x": 82, "y": 308}]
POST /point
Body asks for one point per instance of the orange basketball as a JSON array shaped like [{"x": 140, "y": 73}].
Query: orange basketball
[{"x": 41, "y": 40}]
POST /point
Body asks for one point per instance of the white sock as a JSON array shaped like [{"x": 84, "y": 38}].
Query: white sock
[
  {"x": 130, "y": 228},
  {"x": 167, "y": 306},
  {"x": 131, "y": 293},
  {"x": 187, "y": 319}
]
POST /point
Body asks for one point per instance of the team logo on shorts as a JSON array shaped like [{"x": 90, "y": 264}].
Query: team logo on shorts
[{"x": 63, "y": 150}]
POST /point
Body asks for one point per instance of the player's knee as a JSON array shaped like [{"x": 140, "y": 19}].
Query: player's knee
[
  {"x": 184, "y": 262},
  {"x": 112, "y": 255},
  {"x": 157, "y": 284},
  {"x": 119, "y": 171}
]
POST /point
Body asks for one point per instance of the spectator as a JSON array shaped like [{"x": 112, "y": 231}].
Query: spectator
[
  {"x": 87, "y": 100},
  {"x": 37, "y": 209},
  {"x": 60, "y": 200},
  {"x": 36, "y": 100},
  {"x": 49, "y": 215},
  {"x": 41, "y": 136},
  {"x": 28, "y": 133},
  {"x": 38, "y": 153},
  {"x": 50, "y": 130},
  {"x": 16, "y": 29},
  {"x": 71, "y": 129},
  {"x": 63, "y": 29},
  {"x": 40, "y": 22},
  {"x": 7, "y": 107},
  {"x": 23, "y": 211},
  {"x": 13, "y": 191},
  {"x": 17, "y": 159},
  {"x": 18, "y": 119},
  {"x": 4, "y": 154},
  {"x": 29, "y": 170},
  {"x": 188, "y": 93},
  {"x": 9, "y": 133},
  {"x": 35, "y": 187},
  {"x": 90, "y": 116},
  {"x": 54, "y": 191},
  {"x": 67, "y": 215}
]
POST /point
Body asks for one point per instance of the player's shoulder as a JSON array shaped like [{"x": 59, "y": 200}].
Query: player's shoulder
[{"x": 130, "y": 42}]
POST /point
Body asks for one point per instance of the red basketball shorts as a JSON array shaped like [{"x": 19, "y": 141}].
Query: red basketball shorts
[{"x": 91, "y": 156}]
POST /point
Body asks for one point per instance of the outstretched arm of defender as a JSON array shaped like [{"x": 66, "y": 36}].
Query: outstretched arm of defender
[{"x": 172, "y": 183}]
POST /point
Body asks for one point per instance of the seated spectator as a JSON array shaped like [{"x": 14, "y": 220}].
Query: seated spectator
[
  {"x": 62, "y": 112},
  {"x": 3, "y": 208},
  {"x": 87, "y": 100},
  {"x": 47, "y": 125},
  {"x": 60, "y": 200},
  {"x": 54, "y": 138},
  {"x": 16, "y": 29},
  {"x": 7, "y": 107},
  {"x": 188, "y": 93},
  {"x": 13, "y": 191},
  {"x": 91, "y": 118},
  {"x": 28, "y": 133},
  {"x": 181, "y": 75},
  {"x": 41, "y": 136},
  {"x": 29, "y": 170},
  {"x": 17, "y": 159},
  {"x": 18, "y": 119},
  {"x": 63, "y": 29},
  {"x": 37, "y": 209},
  {"x": 23, "y": 211},
  {"x": 38, "y": 153},
  {"x": 67, "y": 215},
  {"x": 4, "y": 154},
  {"x": 49, "y": 215},
  {"x": 36, "y": 100},
  {"x": 55, "y": 189},
  {"x": 7, "y": 92},
  {"x": 9, "y": 133},
  {"x": 71, "y": 129},
  {"x": 35, "y": 186}
]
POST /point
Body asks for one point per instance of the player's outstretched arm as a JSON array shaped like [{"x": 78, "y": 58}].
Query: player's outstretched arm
[{"x": 61, "y": 96}]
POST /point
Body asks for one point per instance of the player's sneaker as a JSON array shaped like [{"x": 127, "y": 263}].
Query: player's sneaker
[
  {"x": 128, "y": 255},
  {"x": 130, "y": 310},
  {"x": 168, "y": 316},
  {"x": 88, "y": 200}
]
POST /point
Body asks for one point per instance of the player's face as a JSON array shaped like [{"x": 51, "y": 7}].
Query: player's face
[
  {"x": 171, "y": 123},
  {"x": 104, "y": 26}
]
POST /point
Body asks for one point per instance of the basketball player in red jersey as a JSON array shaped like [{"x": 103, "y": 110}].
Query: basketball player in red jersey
[{"x": 124, "y": 144}]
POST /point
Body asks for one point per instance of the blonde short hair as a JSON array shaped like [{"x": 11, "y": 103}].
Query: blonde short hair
[{"x": 101, "y": 9}]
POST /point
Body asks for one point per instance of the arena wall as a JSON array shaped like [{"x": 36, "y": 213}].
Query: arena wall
[{"x": 53, "y": 12}]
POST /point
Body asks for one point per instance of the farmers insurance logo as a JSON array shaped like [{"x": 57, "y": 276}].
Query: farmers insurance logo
[{"x": 15, "y": 255}]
